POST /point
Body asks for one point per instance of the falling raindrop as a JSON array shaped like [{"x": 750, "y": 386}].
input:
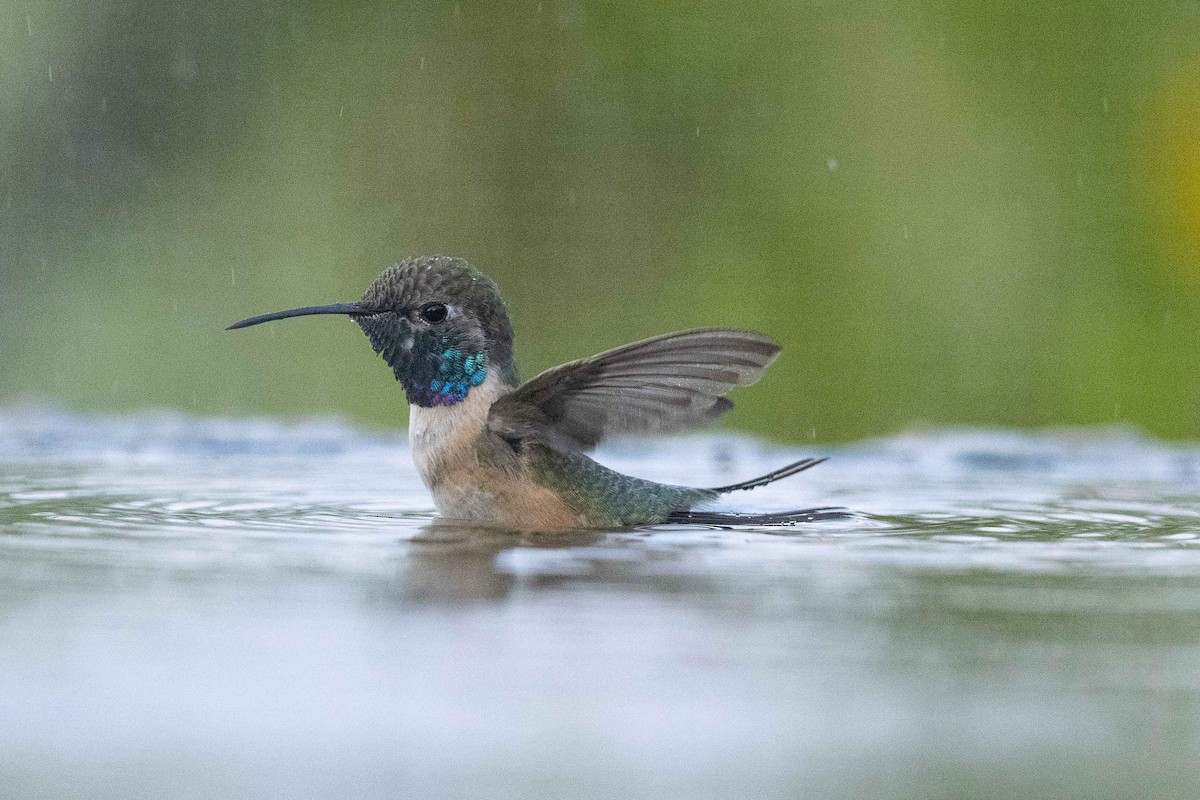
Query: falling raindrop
[{"x": 832, "y": 164}]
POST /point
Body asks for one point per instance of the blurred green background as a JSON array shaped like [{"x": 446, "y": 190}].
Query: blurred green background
[{"x": 947, "y": 212}]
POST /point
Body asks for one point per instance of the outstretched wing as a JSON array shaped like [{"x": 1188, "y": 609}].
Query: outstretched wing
[{"x": 666, "y": 383}]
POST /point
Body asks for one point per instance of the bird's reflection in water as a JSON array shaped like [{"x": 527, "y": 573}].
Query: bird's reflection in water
[{"x": 450, "y": 562}]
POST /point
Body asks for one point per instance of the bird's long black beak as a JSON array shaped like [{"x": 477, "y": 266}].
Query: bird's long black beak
[{"x": 335, "y": 308}]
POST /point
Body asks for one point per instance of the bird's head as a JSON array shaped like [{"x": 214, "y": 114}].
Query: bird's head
[{"x": 437, "y": 321}]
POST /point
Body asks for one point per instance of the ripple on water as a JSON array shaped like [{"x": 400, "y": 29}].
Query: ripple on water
[
  {"x": 952, "y": 499},
  {"x": 277, "y": 595}
]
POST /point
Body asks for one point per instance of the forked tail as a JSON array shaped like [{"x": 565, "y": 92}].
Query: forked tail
[
  {"x": 770, "y": 477},
  {"x": 778, "y": 518}
]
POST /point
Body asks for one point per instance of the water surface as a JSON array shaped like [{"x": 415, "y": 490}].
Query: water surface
[{"x": 217, "y": 608}]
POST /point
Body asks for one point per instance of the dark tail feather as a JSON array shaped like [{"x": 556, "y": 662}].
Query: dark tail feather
[
  {"x": 770, "y": 477},
  {"x": 777, "y": 518}
]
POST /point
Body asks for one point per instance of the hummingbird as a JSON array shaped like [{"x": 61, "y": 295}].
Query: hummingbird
[{"x": 497, "y": 452}]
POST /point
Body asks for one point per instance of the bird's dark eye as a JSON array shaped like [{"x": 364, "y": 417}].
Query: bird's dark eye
[{"x": 433, "y": 313}]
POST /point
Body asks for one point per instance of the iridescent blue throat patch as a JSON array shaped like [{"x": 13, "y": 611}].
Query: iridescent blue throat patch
[{"x": 457, "y": 373}]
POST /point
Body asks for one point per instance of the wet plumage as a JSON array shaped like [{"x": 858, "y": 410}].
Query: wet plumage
[{"x": 495, "y": 451}]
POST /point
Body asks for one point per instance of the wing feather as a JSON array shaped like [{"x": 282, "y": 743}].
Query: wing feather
[{"x": 662, "y": 384}]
